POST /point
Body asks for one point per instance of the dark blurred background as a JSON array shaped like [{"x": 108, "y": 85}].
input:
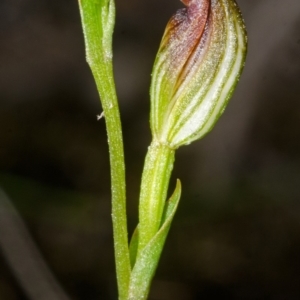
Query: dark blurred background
[{"x": 236, "y": 234}]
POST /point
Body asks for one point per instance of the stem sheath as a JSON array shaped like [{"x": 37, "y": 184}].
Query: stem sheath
[{"x": 155, "y": 181}]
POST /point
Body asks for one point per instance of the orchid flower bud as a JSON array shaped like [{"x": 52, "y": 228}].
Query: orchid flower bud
[{"x": 197, "y": 67}]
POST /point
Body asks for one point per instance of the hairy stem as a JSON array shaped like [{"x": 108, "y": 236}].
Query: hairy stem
[{"x": 98, "y": 22}]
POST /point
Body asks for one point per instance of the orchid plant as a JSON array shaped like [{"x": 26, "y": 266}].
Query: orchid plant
[{"x": 197, "y": 67}]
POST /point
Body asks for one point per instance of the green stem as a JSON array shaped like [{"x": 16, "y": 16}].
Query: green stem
[
  {"x": 98, "y": 22},
  {"x": 155, "y": 181}
]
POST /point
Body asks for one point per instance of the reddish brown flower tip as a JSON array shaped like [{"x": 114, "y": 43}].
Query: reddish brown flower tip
[{"x": 184, "y": 31}]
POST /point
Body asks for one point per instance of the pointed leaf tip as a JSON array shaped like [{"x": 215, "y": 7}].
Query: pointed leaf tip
[{"x": 146, "y": 262}]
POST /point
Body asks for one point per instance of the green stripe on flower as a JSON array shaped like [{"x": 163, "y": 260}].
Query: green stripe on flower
[{"x": 198, "y": 64}]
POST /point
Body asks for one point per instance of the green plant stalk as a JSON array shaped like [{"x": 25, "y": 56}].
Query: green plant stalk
[
  {"x": 154, "y": 187},
  {"x": 98, "y": 18}
]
